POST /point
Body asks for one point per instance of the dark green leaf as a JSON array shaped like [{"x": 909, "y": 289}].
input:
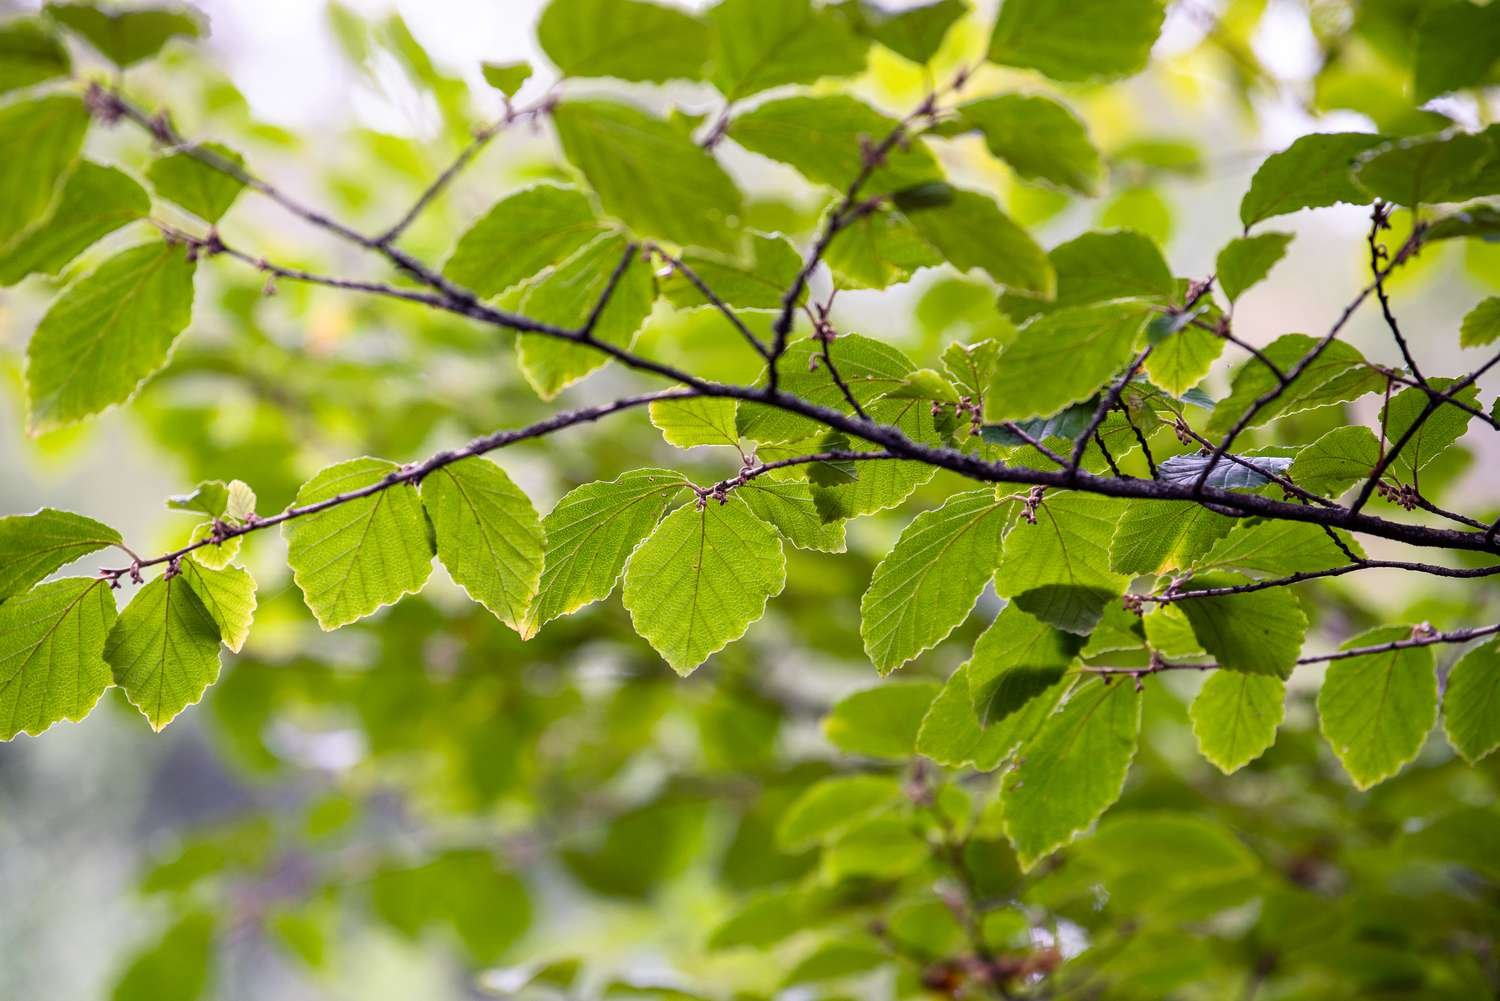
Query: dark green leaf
[
  {"x": 1312, "y": 172},
  {"x": 1040, "y": 138},
  {"x": 1245, "y": 261},
  {"x": 29, "y": 55},
  {"x": 970, "y": 231},
  {"x": 1257, "y": 632},
  {"x": 1423, "y": 169},
  {"x": 1457, "y": 46}
]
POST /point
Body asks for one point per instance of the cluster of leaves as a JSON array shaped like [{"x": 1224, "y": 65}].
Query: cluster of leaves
[{"x": 1068, "y": 454}]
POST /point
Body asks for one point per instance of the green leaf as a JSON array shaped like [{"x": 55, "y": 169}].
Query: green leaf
[
  {"x": 33, "y": 546},
  {"x": 1016, "y": 659},
  {"x": 228, "y": 596},
  {"x": 1077, "y": 39},
  {"x": 164, "y": 649},
  {"x": 1114, "y": 264},
  {"x": 521, "y": 235},
  {"x": 51, "y": 131},
  {"x": 566, "y": 296},
  {"x": 1256, "y": 632},
  {"x": 914, "y": 32},
  {"x": 699, "y": 580},
  {"x": 1471, "y": 703},
  {"x": 1376, "y": 709},
  {"x": 972, "y": 232},
  {"x": 698, "y": 420},
  {"x": 624, "y": 39},
  {"x": 931, "y": 579},
  {"x": 1097, "y": 341},
  {"x": 1336, "y": 461},
  {"x": 1339, "y": 374},
  {"x": 1180, "y": 361},
  {"x": 1437, "y": 433},
  {"x": 833, "y": 807},
  {"x": 507, "y": 78},
  {"x": 203, "y": 190},
  {"x": 1312, "y": 172},
  {"x": 886, "y": 848},
  {"x": 1481, "y": 324},
  {"x": 788, "y": 506},
  {"x": 823, "y": 138},
  {"x": 760, "y": 44},
  {"x": 29, "y": 55},
  {"x": 757, "y": 282},
  {"x": 211, "y": 497},
  {"x": 1456, "y": 46},
  {"x": 878, "y": 250},
  {"x": 1040, "y": 138},
  {"x": 128, "y": 36},
  {"x": 178, "y": 965},
  {"x": 590, "y": 535},
  {"x": 1057, "y": 570},
  {"x": 880, "y": 722},
  {"x": 1276, "y": 549},
  {"x": 1245, "y": 261},
  {"x": 52, "y": 653},
  {"x": 95, "y": 201},
  {"x": 466, "y": 891},
  {"x": 1235, "y": 716},
  {"x": 352, "y": 558},
  {"x": 649, "y": 173},
  {"x": 870, "y": 368},
  {"x": 1422, "y": 169},
  {"x": 1072, "y": 770},
  {"x": 107, "y": 334},
  {"x": 489, "y": 537},
  {"x": 1157, "y": 537}
]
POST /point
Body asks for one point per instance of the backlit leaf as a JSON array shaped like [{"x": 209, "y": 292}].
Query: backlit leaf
[
  {"x": 1015, "y": 660},
  {"x": 699, "y": 420},
  {"x": 880, "y": 722},
  {"x": 1312, "y": 172},
  {"x": 28, "y": 55},
  {"x": 625, "y": 39},
  {"x": 51, "y": 130},
  {"x": 972, "y": 232},
  {"x": 164, "y": 649},
  {"x": 1235, "y": 716},
  {"x": 1057, "y": 570},
  {"x": 1481, "y": 324},
  {"x": 1257, "y": 632},
  {"x": 52, "y": 653},
  {"x": 1092, "y": 40},
  {"x": 95, "y": 201},
  {"x": 228, "y": 596},
  {"x": 33, "y": 546},
  {"x": 760, "y": 44},
  {"x": 126, "y": 37},
  {"x": 1245, "y": 261},
  {"x": 522, "y": 234},
  {"x": 1471, "y": 703},
  {"x": 1376, "y": 709}
]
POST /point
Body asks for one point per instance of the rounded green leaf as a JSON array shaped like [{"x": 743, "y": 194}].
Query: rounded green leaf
[
  {"x": 1235, "y": 716},
  {"x": 164, "y": 649},
  {"x": 52, "y": 654},
  {"x": 1376, "y": 709}
]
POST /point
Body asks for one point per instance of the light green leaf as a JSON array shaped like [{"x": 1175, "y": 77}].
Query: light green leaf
[
  {"x": 971, "y": 367},
  {"x": 33, "y": 546},
  {"x": 1181, "y": 360},
  {"x": 95, "y": 201},
  {"x": 177, "y": 965},
  {"x": 1276, "y": 549},
  {"x": 1471, "y": 703},
  {"x": 832, "y": 807},
  {"x": 228, "y": 596},
  {"x": 1437, "y": 433},
  {"x": 1481, "y": 324},
  {"x": 203, "y": 190},
  {"x": 914, "y": 32},
  {"x": 931, "y": 579},
  {"x": 699, "y": 580},
  {"x": 880, "y": 722},
  {"x": 107, "y": 333},
  {"x": 755, "y": 282},
  {"x": 1336, "y": 461},
  {"x": 164, "y": 649},
  {"x": 1016, "y": 659},
  {"x": 624, "y": 39},
  {"x": 1040, "y": 138},
  {"x": 1312, "y": 172},
  {"x": 698, "y": 420},
  {"x": 1245, "y": 261},
  {"x": 788, "y": 506},
  {"x": 823, "y": 138},
  {"x": 28, "y": 55},
  {"x": 882, "y": 484},
  {"x": 971, "y": 232},
  {"x": 1257, "y": 632},
  {"x": 52, "y": 653},
  {"x": 565, "y": 297},
  {"x": 1376, "y": 709},
  {"x": 1457, "y": 45},
  {"x": 536, "y": 228},
  {"x": 126, "y": 37},
  {"x": 871, "y": 368},
  {"x": 488, "y": 535},
  {"x": 51, "y": 131},
  {"x": 878, "y": 250},
  {"x": 760, "y": 44},
  {"x": 1422, "y": 169},
  {"x": 1097, "y": 341},
  {"x": 351, "y": 559},
  {"x": 211, "y": 497},
  {"x": 1058, "y": 569},
  {"x": 507, "y": 78},
  {"x": 217, "y": 555},
  {"x": 1339, "y": 374},
  {"x": 886, "y": 848},
  {"x": 1235, "y": 716},
  {"x": 952, "y": 736},
  {"x": 1073, "y": 40},
  {"x": 590, "y": 535},
  {"x": 1155, "y": 537},
  {"x": 649, "y": 172},
  {"x": 1072, "y": 770}
]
